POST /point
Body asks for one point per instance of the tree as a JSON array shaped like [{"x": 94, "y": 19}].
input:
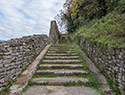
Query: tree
[{"x": 70, "y": 24}]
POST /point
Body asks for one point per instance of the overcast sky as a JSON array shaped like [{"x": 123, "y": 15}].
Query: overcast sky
[{"x": 27, "y": 17}]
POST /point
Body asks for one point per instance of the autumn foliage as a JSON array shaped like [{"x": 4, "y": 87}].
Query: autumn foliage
[{"x": 78, "y": 12}]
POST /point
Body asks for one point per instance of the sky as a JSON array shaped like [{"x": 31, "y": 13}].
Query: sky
[{"x": 27, "y": 17}]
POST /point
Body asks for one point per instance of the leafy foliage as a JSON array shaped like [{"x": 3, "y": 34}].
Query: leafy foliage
[
  {"x": 80, "y": 12},
  {"x": 70, "y": 24},
  {"x": 108, "y": 30},
  {"x": 99, "y": 20}
]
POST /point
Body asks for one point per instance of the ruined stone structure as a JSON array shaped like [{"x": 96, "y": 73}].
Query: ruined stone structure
[
  {"x": 17, "y": 54},
  {"x": 54, "y": 34}
]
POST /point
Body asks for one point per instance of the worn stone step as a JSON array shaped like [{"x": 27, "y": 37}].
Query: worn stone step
[
  {"x": 54, "y": 49},
  {"x": 62, "y": 54},
  {"x": 61, "y": 66},
  {"x": 62, "y": 72},
  {"x": 59, "y": 45},
  {"x": 61, "y": 61},
  {"x": 61, "y": 57},
  {"x": 60, "y": 48},
  {"x": 57, "y": 80}
]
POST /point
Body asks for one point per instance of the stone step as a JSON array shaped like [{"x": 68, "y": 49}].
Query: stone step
[
  {"x": 57, "y": 80},
  {"x": 61, "y": 61},
  {"x": 62, "y": 72},
  {"x": 61, "y": 66},
  {"x": 54, "y": 49},
  {"x": 60, "y": 48},
  {"x": 62, "y": 54},
  {"x": 59, "y": 45},
  {"x": 61, "y": 57}
]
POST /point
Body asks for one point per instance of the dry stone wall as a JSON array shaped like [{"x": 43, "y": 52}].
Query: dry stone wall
[
  {"x": 17, "y": 54},
  {"x": 110, "y": 62}
]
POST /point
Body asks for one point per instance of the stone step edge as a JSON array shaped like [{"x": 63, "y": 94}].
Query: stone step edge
[
  {"x": 55, "y": 49},
  {"x": 61, "y": 72},
  {"x": 61, "y": 54},
  {"x": 61, "y": 66},
  {"x": 61, "y": 57},
  {"x": 61, "y": 61},
  {"x": 57, "y": 81},
  {"x": 62, "y": 50},
  {"x": 18, "y": 86}
]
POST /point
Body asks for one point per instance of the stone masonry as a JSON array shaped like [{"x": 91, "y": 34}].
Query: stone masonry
[
  {"x": 17, "y": 54},
  {"x": 60, "y": 67},
  {"x": 110, "y": 63},
  {"x": 54, "y": 34}
]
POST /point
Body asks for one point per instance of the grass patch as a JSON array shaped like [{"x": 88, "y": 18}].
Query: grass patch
[
  {"x": 6, "y": 88},
  {"x": 45, "y": 75},
  {"x": 28, "y": 85},
  {"x": 54, "y": 75},
  {"x": 45, "y": 68},
  {"x": 62, "y": 63},
  {"x": 113, "y": 87},
  {"x": 92, "y": 83},
  {"x": 108, "y": 31}
]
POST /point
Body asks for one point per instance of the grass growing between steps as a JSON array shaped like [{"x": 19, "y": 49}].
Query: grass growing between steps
[
  {"x": 30, "y": 84},
  {"x": 61, "y": 63},
  {"x": 45, "y": 75},
  {"x": 54, "y": 75},
  {"x": 61, "y": 54},
  {"x": 85, "y": 68},
  {"x": 92, "y": 83}
]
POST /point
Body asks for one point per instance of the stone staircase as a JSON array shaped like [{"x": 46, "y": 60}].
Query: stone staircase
[
  {"x": 62, "y": 72},
  {"x": 60, "y": 66}
]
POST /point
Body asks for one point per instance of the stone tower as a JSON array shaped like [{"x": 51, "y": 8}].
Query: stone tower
[{"x": 54, "y": 34}]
